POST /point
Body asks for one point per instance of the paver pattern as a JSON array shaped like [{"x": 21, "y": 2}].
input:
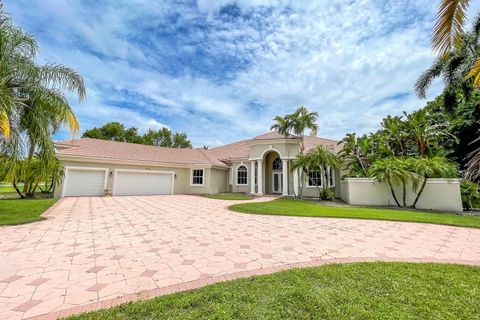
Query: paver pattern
[{"x": 93, "y": 250}]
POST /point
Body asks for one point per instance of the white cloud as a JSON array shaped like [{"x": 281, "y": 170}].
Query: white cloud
[{"x": 347, "y": 60}]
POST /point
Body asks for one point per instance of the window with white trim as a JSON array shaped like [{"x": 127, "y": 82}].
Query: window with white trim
[
  {"x": 331, "y": 177},
  {"x": 314, "y": 178},
  {"x": 277, "y": 164},
  {"x": 242, "y": 175},
  {"x": 197, "y": 176}
]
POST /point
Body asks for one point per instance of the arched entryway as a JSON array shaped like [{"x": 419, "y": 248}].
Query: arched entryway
[{"x": 274, "y": 173}]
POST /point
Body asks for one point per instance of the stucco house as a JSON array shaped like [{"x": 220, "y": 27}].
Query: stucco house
[{"x": 257, "y": 166}]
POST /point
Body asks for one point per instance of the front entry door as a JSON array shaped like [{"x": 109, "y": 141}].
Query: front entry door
[{"x": 277, "y": 182}]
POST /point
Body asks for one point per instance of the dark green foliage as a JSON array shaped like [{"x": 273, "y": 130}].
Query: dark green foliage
[{"x": 116, "y": 131}]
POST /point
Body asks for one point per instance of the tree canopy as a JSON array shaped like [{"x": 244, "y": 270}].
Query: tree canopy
[{"x": 116, "y": 131}]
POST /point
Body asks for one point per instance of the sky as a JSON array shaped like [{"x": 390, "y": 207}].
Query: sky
[{"x": 220, "y": 70}]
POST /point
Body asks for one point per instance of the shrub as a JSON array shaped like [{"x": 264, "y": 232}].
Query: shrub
[
  {"x": 470, "y": 194},
  {"x": 326, "y": 194}
]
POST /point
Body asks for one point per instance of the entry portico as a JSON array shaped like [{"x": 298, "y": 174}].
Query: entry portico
[{"x": 267, "y": 159}]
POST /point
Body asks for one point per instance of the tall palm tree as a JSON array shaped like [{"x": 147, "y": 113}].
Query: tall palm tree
[
  {"x": 282, "y": 125},
  {"x": 301, "y": 120},
  {"x": 425, "y": 168},
  {"x": 33, "y": 105}
]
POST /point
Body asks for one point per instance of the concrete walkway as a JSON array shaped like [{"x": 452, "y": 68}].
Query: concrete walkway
[{"x": 97, "y": 252}]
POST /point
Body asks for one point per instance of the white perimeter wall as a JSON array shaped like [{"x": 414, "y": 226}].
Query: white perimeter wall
[{"x": 439, "y": 194}]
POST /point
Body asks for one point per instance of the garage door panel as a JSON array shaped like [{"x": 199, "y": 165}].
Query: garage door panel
[
  {"x": 81, "y": 182},
  {"x": 143, "y": 183}
]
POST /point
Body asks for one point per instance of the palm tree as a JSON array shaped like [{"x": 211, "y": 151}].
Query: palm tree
[
  {"x": 282, "y": 125},
  {"x": 300, "y": 164},
  {"x": 425, "y": 168},
  {"x": 358, "y": 151},
  {"x": 32, "y": 105},
  {"x": 426, "y": 134},
  {"x": 392, "y": 171},
  {"x": 301, "y": 120},
  {"x": 393, "y": 129},
  {"x": 323, "y": 158},
  {"x": 455, "y": 68}
]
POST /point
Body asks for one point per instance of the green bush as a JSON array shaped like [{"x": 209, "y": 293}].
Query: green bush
[
  {"x": 326, "y": 194},
  {"x": 470, "y": 194}
]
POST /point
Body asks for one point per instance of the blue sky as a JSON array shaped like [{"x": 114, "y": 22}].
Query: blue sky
[{"x": 220, "y": 70}]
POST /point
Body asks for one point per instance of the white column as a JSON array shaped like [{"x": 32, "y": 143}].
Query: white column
[
  {"x": 295, "y": 182},
  {"x": 285, "y": 177},
  {"x": 252, "y": 177},
  {"x": 260, "y": 177}
]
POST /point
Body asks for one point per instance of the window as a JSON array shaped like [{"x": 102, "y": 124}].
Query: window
[
  {"x": 256, "y": 174},
  {"x": 277, "y": 164},
  {"x": 314, "y": 178},
  {"x": 242, "y": 175},
  {"x": 331, "y": 177},
  {"x": 197, "y": 177}
]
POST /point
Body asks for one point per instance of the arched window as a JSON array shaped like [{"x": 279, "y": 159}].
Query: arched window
[
  {"x": 277, "y": 164},
  {"x": 242, "y": 175}
]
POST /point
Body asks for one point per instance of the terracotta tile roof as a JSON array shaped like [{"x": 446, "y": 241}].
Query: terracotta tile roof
[
  {"x": 273, "y": 135},
  {"x": 105, "y": 149},
  {"x": 311, "y": 142}
]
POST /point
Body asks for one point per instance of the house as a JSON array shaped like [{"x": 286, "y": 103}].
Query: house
[{"x": 257, "y": 166}]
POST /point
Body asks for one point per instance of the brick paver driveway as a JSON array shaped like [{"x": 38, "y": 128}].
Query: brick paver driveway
[{"x": 91, "y": 250}]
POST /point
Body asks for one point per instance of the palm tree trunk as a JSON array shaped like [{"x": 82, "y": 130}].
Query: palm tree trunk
[
  {"x": 393, "y": 193},
  {"x": 18, "y": 191},
  {"x": 420, "y": 192},
  {"x": 404, "y": 196}
]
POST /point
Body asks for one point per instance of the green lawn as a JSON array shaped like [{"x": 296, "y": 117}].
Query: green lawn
[
  {"x": 293, "y": 207},
  {"x": 229, "y": 196},
  {"x": 18, "y": 211},
  {"x": 7, "y": 189},
  {"x": 349, "y": 291}
]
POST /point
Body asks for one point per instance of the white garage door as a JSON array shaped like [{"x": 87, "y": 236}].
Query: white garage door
[
  {"x": 143, "y": 183},
  {"x": 84, "y": 182}
]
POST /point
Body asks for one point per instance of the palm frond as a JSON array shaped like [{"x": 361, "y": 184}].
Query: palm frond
[
  {"x": 475, "y": 73},
  {"x": 449, "y": 26},
  {"x": 426, "y": 78}
]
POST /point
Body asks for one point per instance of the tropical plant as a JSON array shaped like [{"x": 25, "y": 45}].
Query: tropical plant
[
  {"x": 32, "y": 106},
  {"x": 470, "y": 194},
  {"x": 357, "y": 153},
  {"x": 449, "y": 25},
  {"x": 425, "y": 168},
  {"x": 393, "y": 171},
  {"x": 320, "y": 159},
  {"x": 300, "y": 165},
  {"x": 282, "y": 125},
  {"x": 296, "y": 123},
  {"x": 301, "y": 120},
  {"x": 473, "y": 165}
]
